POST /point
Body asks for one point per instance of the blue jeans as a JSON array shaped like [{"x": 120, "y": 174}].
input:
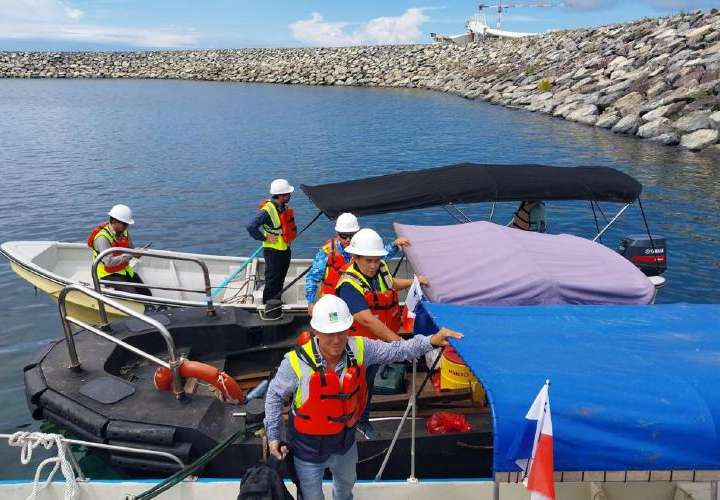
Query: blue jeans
[{"x": 343, "y": 468}]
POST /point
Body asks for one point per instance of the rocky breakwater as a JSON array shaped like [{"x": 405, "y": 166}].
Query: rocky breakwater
[{"x": 657, "y": 79}]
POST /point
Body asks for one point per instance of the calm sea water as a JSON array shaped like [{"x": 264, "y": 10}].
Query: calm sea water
[{"x": 193, "y": 160}]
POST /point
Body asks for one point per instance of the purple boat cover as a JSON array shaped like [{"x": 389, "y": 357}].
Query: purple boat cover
[{"x": 487, "y": 264}]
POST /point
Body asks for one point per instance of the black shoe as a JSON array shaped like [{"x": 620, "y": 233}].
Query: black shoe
[{"x": 367, "y": 430}]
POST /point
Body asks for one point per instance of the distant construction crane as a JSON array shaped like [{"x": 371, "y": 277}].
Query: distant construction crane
[{"x": 501, "y": 7}]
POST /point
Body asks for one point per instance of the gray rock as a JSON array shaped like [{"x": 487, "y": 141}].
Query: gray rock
[
  {"x": 663, "y": 111},
  {"x": 692, "y": 122},
  {"x": 655, "y": 128},
  {"x": 669, "y": 139},
  {"x": 700, "y": 139},
  {"x": 657, "y": 89},
  {"x": 586, "y": 114},
  {"x": 627, "y": 125},
  {"x": 607, "y": 120},
  {"x": 629, "y": 105},
  {"x": 715, "y": 120}
]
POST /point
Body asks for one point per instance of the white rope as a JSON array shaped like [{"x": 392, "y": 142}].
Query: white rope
[{"x": 27, "y": 442}]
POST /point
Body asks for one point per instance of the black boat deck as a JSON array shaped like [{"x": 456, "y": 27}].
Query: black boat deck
[{"x": 113, "y": 400}]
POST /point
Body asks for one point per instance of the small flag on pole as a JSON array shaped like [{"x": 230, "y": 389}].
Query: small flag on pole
[
  {"x": 414, "y": 297},
  {"x": 533, "y": 448}
]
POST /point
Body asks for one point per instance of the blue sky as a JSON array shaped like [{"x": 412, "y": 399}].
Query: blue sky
[{"x": 155, "y": 24}]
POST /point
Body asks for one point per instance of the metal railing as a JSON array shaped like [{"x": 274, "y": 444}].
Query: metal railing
[
  {"x": 102, "y": 446},
  {"x": 160, "y": 254},
  {"x": 174, "y": 362}
]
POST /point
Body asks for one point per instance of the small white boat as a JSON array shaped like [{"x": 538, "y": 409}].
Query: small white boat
[{"x": 51, "y": 265}]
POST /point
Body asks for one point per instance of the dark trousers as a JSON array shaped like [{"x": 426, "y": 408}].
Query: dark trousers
[
  {"x": 277, "y": 263},
  {"x": 128, "y": 288}
]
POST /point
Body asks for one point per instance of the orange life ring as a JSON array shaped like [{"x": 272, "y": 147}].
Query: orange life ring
[{"x": 228, "y": 386}]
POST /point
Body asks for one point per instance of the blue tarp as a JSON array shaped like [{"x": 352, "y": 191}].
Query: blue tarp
[{"x": 632, "y": 387}]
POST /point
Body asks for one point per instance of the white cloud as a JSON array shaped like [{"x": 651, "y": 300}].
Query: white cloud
[
  {"x": 404, "y": 28},
  {"x": 58, "y": 20}
]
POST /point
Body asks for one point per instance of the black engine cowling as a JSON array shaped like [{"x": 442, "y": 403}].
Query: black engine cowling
[{"x": 649, "y": 255}]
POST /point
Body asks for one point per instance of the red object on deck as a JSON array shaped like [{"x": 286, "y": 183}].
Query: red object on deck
[{"x": 444, "y": 422}]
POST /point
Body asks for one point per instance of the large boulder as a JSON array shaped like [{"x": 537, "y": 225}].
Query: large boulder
[
  {"x": 607, "y": 120},
  {"x": 629, "y": 104},
  {"x": 627, "y": 125},
  {"x": 663, "y": 111},
  {"x": 715, "y": 120},
  {"x": 700, "y": 139},
  {"x": 586, "y": 114},
  {"x": 669, "y": 139},
  {"x": 692, "y": 122},
  {"x": 655, "y": 128}
]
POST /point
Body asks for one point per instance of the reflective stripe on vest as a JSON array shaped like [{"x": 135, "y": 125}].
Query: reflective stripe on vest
[
  {"x": 333, "y": 268},
  {"x": 382, "y": 303},
  {"x": 324, "y": 403},
  {"x": 107, "y": 232}
]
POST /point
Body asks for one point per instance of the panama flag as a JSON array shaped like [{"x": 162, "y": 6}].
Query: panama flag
[
  {"x": 533, "y": 449},
  {"x": 414, "y": 297}
]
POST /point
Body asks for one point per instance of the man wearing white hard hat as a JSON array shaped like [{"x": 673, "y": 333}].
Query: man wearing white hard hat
[
  {"x": 274, "y": 225},
  {"x": 332, "y": 258},
  {"x": 114, "y": 233},
  {"x": 321, "y": 427},
  {"x": 371, "y": 293}
]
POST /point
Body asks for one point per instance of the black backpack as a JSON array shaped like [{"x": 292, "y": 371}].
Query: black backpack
[{"x": 264, "y": 482}]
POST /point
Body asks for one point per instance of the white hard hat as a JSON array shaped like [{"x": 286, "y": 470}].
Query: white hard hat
[
  {"x": 122, "y": 213},
  {"x": 347, "y": 223},
  {"x": 280, "y": 186},
  {"x": 331, "y": 315},
  {"x": 368, "y": 243}
]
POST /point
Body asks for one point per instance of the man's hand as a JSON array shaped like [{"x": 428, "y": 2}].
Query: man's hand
[
  {"x": 440, "y": 338},
  {"x": 279, "y": 452},
  {"x": 270, "y": 238},
  {"x": 310, "y": 308},
  {"x": 423, "y": 280},
  {"x": 401, "y": 242}
]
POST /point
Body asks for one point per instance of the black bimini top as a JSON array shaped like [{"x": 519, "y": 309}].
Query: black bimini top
[{"x": 472, "y": 183}]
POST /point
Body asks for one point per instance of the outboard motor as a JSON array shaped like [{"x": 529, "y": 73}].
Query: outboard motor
[{"x": 649, "y": 256}]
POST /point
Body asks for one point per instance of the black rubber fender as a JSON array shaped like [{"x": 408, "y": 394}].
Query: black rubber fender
[
  {"x": 143, "y": 464},
  {"x": 35, "y": 384},
  {"x": 76, "y": 431},
  {"x": 74, "y": 413},
  {"x": 40, "y": 355},
  {"x": 180, "y": 450},
  {"x": 140, "y": 433}
]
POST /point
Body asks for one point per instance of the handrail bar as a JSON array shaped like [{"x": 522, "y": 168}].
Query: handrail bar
[
  {"x": 150, "y": 287},
  {"x": 140, "y": 451},
  {"x": 174, "y": 362},
  {"x": 160, "y": 254},
  {"x": 119, "y": 342}
]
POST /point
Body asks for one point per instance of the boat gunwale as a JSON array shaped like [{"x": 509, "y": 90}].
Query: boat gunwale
[{"x": 60, "y": 280}]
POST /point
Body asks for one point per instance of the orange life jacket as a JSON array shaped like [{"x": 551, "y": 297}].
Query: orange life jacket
[
  {"x": 105, "y": 230},
  {"x": 325, "y": 404},
  {"x": 383, "y": 303},
  {"x": 284, "y": 225},
  {"x": 335, "y": 264}
]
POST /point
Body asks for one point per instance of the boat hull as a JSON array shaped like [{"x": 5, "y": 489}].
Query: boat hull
[{"x": 111, "y": 399}]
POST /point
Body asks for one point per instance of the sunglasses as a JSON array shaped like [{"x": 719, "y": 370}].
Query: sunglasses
[{"x": 345, "y": 236}]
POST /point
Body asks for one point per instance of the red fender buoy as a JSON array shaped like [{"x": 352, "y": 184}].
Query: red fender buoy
[{"x": 227, "y": 385}]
